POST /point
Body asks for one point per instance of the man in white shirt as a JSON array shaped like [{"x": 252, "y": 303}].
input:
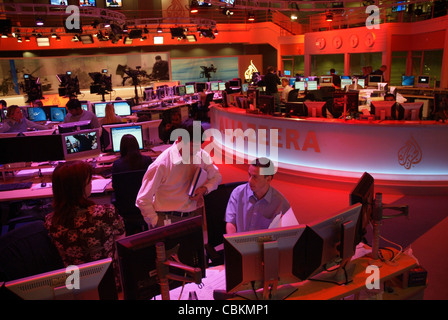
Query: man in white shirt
[
  {"x": 76, "y": 113},
  {"x": 286, "y": 89},
  {"x": 163, "y": 197}
]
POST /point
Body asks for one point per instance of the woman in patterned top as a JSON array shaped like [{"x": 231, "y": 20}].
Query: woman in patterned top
[{"x": 81, "y": 230}]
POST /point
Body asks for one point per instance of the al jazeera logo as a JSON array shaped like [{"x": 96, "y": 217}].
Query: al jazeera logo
[{"x": 410, "y": 154}]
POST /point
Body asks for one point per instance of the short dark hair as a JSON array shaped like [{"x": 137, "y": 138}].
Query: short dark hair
[
  {"x": 266, "y": 163},
  {"x": 332, "y": 70},
  {"x": 73, "y": 104},
  {"x": 389, "y": 95}
]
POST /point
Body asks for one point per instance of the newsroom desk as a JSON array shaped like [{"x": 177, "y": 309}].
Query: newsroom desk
[{"x": 394, "y": 151}]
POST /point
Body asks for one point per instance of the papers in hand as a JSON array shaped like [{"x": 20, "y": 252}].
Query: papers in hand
[
  {"x": 284, "y": 220},
  {"x": 199, "y": 178}
]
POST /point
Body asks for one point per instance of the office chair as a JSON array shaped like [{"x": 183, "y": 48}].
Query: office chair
[
  {"x": 126, "y": 186},
  {"x": 202, "y": 113},
  {"x": 215, "y": 204},
  {"x": 293, "y": 95}
]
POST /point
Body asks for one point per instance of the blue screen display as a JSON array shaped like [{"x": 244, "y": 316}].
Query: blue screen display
[
  {"x": 407, "y": 80},
  {"x": 58, "y": 114},
  {"x": 37, "y": 114}
]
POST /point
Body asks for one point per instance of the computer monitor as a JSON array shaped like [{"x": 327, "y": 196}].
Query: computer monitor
[
  {"x": 311, "y": 85},
  {"x": 81, "y": 144},
  {"x": 31, "y": 149},
  {"x": 99, "y": 109},
  {"x": 74, "y": 126},
  {"x": 316, "y": 108},
  {"x": 38, "y": 132},
  {"x": 180, "y": 90},
  {"x": 330, "y": 245},
  {"x": 412, "y": 110},
  {"x": 160, "y": 92},
  {"x": 57, "y": 114},
  {"x": 221, "y": 86},
  {"x": 140, "y": 262},
  {"x": 266, "y": 104},
  {"x": 201, "y": 87},
  {"x": 235, "y": 84},
  {"x": 122, "y": 108},
  {"x": 346, "y": 82},
  {"x": 37, "y": 114},
  {"x": 326, "y": 81},
  {"x": 348, "y": 99},
  {"x": 116, "y": 133},
  {"x": 244, "y": 87},
  {"x": 300, "y": 85},
  {"x": 85, "y": 105},
  {"x": 263, "y": 257},
  {"x": 189, "y": 89},
  {"x": 214, "y": 86},
  {"x": 382, "y": 109},
  {"x": 362, "y": 83},
  {"x": 292, "y": 82},
  {"x": 423, "y": 81},
  {"x": 374, "y": 79},
  {"x": 96, "y": 282},
  {"x": 364, "y": 193},
  {"x": 296, "y": 109},
  {"x": 407, "y": 81}
]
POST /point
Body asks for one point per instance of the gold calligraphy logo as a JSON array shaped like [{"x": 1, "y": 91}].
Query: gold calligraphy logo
[
  {"x": 410, "y": 154},
  {"x": 249, "y": 71}
]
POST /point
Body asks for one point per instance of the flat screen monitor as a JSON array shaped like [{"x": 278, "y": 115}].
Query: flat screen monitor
[
  {"x": 316, "y": 108},
  {"x": 214, "y": 86},
  {"x": 407, "y": 81},
  {"x": 362, "y": 82},
  {"x": 100, "y": 109},
  {"x": 37, "y": 114},
  {"x": 331, "y": 243},
  {"x": 58, "y": 114},
  {"x": 311, "y": 85},
  {"x": 58, "y": 2},
  {"x": 423, "y": 81},
  {"x": 189, "y": 89},
  {"x": 180, "y": 90},
  {"x": 87, "y": 3},
  {"x": 292, "y": 82},
  {"x": 31, "y": 149},
  {"x": 412, "y": 110},
  {"x": 345, "y": 77},
  {"x": 326, "y": 81},
  {"x": 313, "y": 78},
  {"x": 116, "y": 133},
  {"x": 85, "y": 106},
  {"x": 114, "y": 3},
  {"x": 300, "y": 85},
  {"x": 349, "y": 99},
  {"x": 74, "y": 126},
  {"x": 346, "y": 82},
  {"x": 81, "y": 144},
  {"x": 363, "y": 192},
  {"x": 235, "y": 84},
  {"x": 382, "y": 109},
  {"x": 221, "y": 86},
  {"x": 96, "y": 282},
  {"x": 201, "y": 87},
  {"x": 137, "y": 257},
  {"x": 244, "y": 87},
  {"x": 122, "y": 108},
  {"x": 374, "y": 79},
  {"x": 262, "y": 256},
  {"x": 266, "y": 104}
]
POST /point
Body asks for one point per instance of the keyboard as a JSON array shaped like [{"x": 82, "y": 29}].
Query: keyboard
[{"x": 15, "y": 186}]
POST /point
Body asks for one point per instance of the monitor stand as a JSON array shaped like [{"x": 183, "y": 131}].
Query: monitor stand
[
  {"x": 280, "y": 293},
  {"x": 342, "y": 274}
]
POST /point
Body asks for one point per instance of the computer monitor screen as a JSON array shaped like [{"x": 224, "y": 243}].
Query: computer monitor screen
[
  {"x": 311, "y": 85},
  {"x": 214, "y": 86},
  {"x": 382, "y": 109},
  {"x": 423, "y": 81},
  {"x": 364, "y": 193},
  {"x": 114, "y": 3},
  {"x": 189, "y": 89},
  {"x": 37, "y": 114},
  {"x": 244, "y": 87},
  {"x": 326, "y": 80},
  {"x": 412, "y": 110},
  {"x": 234, "y": 84},
  {"x": 96, "y": 282},
  {"x": 117, "y": 133},
  {"x": 374, "y": 79},
  {"x": 138, "y": 258},
  {"x": 81, "y": 144},
  {"x": 87, "y": 3},
  {"x": 407, "y": 80},
  {"x": 266, "y": 104},
  {"x": 74, "y": 126},
  {"x": 348, "y": 99},
  {"x": 58, "y": 2},
  {"x": 221, "y": 86},
  {"x": 331, "y": 242},
  {"x": 85, "y": 106},
  {"x": 201, "y": 86},
  {"x": 122, "y": 108},
  {"x": 181, "y": 90},
  {"x": 292, "y": 82},
  {"x": 346, "y": 82},
  {"x": 299, "y": 85},
  {"x": 316, "y": 108},
  {"x": 262, "y": 256},
  {"x": 100, "y": 109},
  {"x": 58, "y": 114},
  {"x": 362, "y": 82}
]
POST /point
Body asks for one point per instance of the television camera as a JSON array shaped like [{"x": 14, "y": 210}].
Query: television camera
[{"x": 102, "y": 83}]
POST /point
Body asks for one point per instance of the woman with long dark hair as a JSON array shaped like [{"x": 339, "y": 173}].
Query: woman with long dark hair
[{"x": 131, "y": 158}]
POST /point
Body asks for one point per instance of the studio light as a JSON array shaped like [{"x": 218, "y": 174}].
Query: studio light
[
  {"x": 194, "y": 6},
  {"x": 329, "y": 16},
  {"x": 39, "y": 22},
  {"x": 191, "y": 38},
  {"x": 251, "y": 16}
]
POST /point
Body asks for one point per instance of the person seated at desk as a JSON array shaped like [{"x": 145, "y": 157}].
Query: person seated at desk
[
  {"x": 81, "y": 230},
  {"x": 76, "y": 113},
  {"x": 166, "y": 127},
  {"x": 286, "y": 90},
  {"x": 110, "y": 116},
  {"x": 130, "y": 156},
  {"x": 336, "y": 78},
  {"x": 15, "y": 122},
  {"x": 397, "y": 110},
  {"x": 255, "y": 204}
]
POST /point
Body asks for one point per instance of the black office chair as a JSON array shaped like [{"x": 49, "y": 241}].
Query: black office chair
[
  {"x": 215, "y": 204},
  {"x": 293, "y": 95},
  {"x": 202, "y": 112},
  {"x": 126, "y": 186}
]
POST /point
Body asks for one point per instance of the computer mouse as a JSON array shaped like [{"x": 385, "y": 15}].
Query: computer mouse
[{"x": 43, "y": 184}]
